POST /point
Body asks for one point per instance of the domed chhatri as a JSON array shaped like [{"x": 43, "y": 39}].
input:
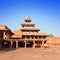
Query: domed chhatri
[{"x": 27, "y": 19}]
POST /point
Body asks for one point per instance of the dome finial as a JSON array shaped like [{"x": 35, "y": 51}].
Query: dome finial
[{"x": 27, "y": 19}]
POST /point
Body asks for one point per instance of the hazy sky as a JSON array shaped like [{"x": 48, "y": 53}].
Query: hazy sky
[{"x": 44, "y": 13}]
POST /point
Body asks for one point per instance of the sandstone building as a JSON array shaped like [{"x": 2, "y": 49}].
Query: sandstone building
[
  {"x": 27, "y": 36},
  {"x": 53, "y": 42}
]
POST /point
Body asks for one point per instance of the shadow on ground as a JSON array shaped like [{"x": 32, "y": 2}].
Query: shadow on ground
[{"x": 7, "y": 49}]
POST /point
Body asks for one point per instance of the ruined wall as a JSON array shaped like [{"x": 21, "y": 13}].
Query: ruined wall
[{"x": 55, "y": 41}]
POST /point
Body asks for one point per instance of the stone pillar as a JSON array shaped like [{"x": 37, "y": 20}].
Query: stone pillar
[
  {"x": 25, "y": 44},
  {"x": 42, "y": 43},
  {"x": 11, "y": 44},
  {"x": 4, "y": 35},
  {"x": 34, "y": 44},
  {"x": 16, "y": 44}
]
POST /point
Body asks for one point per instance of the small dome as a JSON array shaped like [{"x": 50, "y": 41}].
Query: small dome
[{"x": 27, "y": 19}]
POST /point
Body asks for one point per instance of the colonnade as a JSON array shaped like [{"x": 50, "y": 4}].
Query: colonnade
[
  {"x": 25, "y": 44},
  {"x": 34, "y": 37},
  {"x": 10, "y": 44}
]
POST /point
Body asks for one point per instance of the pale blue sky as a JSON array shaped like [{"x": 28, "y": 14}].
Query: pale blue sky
[{"x": 44, "y": 13}]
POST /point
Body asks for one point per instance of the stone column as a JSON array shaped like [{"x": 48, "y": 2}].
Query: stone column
[
  {"x": 4, "y": 35},
  {"x": 11, "y": 44},
  {"x": 25, "y": 43},
  {"x": 42, "y": 43},
  {"x": 16, "y": 44},
  {"x": 34, "y": 44}
]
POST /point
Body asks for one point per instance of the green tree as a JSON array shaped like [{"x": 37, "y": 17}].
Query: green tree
[{"x": 51, "y": 35}]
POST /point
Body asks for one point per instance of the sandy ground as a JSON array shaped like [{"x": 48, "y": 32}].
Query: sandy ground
[{"x": 31, "y": 54}]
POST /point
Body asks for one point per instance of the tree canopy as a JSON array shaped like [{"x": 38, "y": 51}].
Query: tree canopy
[{"x": 51, "y": 35}]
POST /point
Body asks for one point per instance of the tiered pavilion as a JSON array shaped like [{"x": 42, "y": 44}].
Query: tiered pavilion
[{"x": 28, "y": 36}]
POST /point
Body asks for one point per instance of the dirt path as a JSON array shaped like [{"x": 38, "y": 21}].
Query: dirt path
[{"x": 31, "y": 54}]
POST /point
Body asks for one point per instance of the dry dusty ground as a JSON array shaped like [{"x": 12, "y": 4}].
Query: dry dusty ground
[{"x": 31, "y": 54}]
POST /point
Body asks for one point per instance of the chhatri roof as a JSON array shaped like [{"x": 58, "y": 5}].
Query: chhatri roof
[
  {"x": 27, "y": 25},
  {"x": 27, "y": 19},
  {"x": 27, "y": 22}
]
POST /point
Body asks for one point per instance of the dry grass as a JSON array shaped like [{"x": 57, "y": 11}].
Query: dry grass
[{"x": 31, "y": 54}]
